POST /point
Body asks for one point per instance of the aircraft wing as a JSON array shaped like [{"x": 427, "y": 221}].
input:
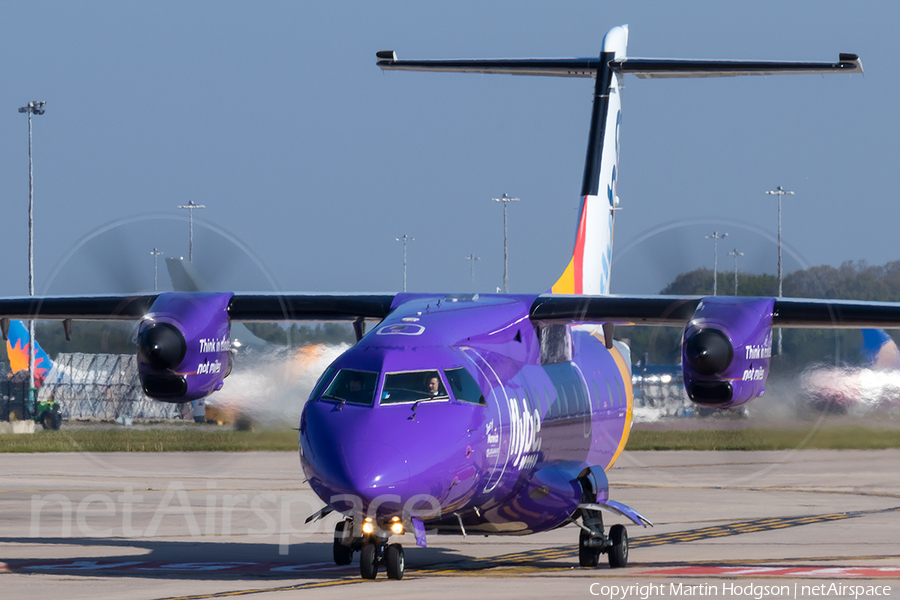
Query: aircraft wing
[
  {"x": 678, "y": 310},
  {"x": 241, "y": 307},
  {"x": 560, "y": 308}
]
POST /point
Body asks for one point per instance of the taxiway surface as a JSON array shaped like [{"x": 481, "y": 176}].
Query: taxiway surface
[{"x": 209, "y": 525}]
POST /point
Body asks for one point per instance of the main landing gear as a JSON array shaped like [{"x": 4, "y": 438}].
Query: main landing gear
[
  {"x": 371, "y": 543},
  {"x": 592, "y": 542}
]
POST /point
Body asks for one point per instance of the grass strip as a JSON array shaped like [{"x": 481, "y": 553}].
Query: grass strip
[
  {"x": 226, "y": 440},
  {"x": 152, "y": 440},
  {"x": 825, "y": 438}
]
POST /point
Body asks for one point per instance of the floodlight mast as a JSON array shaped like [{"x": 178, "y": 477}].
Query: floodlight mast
[
  {"x": 473, "y": 258},
  {"x": 779, "y": 191},
  {"x": 191, "y": 206},
  {"x": 155, "y": 254},
  {"x": 735, "y": 254},
  {"x": 715, "y": 237},
  {"x": 35, "y": 107},
  {"x": 404, "y": 239},
  {"x": 505, "y": 200}
]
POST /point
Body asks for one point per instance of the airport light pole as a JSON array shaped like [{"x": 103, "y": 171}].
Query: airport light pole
[
  {"x": 35, "y": 107},
  {"x": 155, "y": 254},
  {"x": 505, "y": 200},
  {"x": 473, "y": 258},
  {"x": 779, "y": 191},
  {"x": 715, "y": 237},
  {"x": 404, "y": 239},
  {"x": 191, "y": 206},
  {"x": 735, "y": 254}
]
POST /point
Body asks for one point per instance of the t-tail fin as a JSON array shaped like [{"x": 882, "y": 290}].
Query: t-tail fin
[{"x": 589, "y": 270}]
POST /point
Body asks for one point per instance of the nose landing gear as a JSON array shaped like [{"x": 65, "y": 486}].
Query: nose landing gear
[
  {"x": 592, "y": 542},
  {"x": 373, "y": 549}
]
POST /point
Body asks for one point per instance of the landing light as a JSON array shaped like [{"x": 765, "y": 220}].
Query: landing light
[{"x": 396, "y": 526}]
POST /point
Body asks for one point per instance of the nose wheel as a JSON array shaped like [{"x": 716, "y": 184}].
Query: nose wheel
[
  {"x": 343, "y": 555},
  {"x": 394, "y": 561},
  {"x": 373, "y": 549},
  {"x": 373, "y": 555},
  {"x": 618, "y": 549},
  {"x": 592, "y": 542}
]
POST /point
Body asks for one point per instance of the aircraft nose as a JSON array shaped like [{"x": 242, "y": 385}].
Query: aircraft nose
[
  {"x": 374, "y": 469},
  {"x": 358, "y": 466}
]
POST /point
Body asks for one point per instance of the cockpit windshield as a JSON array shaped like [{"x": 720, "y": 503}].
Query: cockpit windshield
[
  {"x": 413, "y": 386},
  {"x": 355, "y": 387}
]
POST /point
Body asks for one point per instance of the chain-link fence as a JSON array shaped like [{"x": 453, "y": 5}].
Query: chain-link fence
[{"x": 102, "y": 387}]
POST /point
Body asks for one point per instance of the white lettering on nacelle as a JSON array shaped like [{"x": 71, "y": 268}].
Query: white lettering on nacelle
[
  {"x": 214, "y": 345},
  {"x": 758, "y": 351},
  {"x": 758, "y": 374},
  {"x": 206, "y": 368}
]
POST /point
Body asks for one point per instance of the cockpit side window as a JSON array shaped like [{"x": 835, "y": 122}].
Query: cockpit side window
[
  {"x": 354, "y": 387},
  {"x": 413, "y": 386},
  {"x": 464, "y": 386},
  {"x": 324, "y": 380}
]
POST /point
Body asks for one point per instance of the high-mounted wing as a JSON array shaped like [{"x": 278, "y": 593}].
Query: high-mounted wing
[
  {"x": 727, "y": 341},
  {"x": 637, "y": 310},
  {"x": 796, "y": 313},
  {"x": 241, "y": 307},
  {"x": 184, "y": 340}
]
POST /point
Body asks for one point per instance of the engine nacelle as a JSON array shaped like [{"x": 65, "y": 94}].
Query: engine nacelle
[
  {"x": 726, "y": 349},
  {"x": 184, "y": 346}
]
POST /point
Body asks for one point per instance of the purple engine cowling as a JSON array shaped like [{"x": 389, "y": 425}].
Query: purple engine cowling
[
  {"x": 726, "y": 349},
  {"x": 184, "y": 346}
]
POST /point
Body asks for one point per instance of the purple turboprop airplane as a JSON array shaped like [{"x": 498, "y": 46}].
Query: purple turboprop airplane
[{"x": 494, "y": 414}]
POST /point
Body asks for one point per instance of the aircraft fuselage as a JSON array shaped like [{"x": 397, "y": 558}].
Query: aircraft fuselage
[{"x": 496, "y": 447}]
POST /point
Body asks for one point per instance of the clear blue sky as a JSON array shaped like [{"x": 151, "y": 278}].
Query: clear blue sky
[{"x": 311, "y": 161}]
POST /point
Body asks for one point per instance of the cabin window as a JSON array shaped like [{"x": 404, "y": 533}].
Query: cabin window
[
  {"x": 352, "y": 386},
  {"x": 597, "y": 395},
  {"x": 581, "y": 399},
  {"x": 554, "y": 403},
  {"x": 413, "y": 386},
  {"x": 464, "y": 386},
  {"x": 563, "y": 399}
]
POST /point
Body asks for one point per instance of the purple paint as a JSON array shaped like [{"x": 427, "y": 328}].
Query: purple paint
[
  {"x": 184, "y": 346},
  {"x": 730, "y": 364},
  {"x": 509, "y": 465}
]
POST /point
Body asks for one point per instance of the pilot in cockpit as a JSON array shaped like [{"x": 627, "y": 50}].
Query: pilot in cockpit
[{"x": 434, "y": 386}]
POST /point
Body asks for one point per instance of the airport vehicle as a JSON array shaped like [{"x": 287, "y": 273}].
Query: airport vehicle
[
  {"x": 15, "y": 402},
  {"x": 495, "y": 414}
]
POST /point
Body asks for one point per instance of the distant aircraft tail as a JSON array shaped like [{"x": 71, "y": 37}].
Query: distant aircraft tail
[
  {"x": 880, "y": 350},
  {"x": 185, "y": 277},
  {"x": 589, "y": 269},
  {"x": 17, "y": 348}
]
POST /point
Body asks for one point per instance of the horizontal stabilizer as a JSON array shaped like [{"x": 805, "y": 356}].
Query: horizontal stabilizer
[
  {"x": 619, "y": 509},
  {"x": 644, "y": 68},
  {"x": 652, "y": 68}
]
